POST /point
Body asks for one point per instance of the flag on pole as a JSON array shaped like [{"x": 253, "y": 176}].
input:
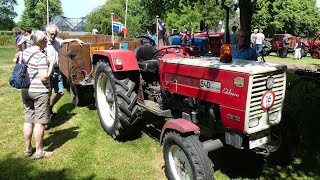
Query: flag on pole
[
  {"x": 118, "y": 26},
  {"x": 160, "y": 24}
]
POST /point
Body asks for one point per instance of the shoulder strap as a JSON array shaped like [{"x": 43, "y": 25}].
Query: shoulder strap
[{"x": 30, "y": 57}]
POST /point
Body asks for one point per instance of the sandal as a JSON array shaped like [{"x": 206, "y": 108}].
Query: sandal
[
  {"x": 43, "y": 154},
  {"x": 28, "y": 153}
]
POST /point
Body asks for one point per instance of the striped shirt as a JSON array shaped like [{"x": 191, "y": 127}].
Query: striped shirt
[
  {"x": 246, "y": 54},
  {"x": 38, "y": 61}
]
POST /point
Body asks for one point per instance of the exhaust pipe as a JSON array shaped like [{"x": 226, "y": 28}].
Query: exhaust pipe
[{"x": 212, "y": 145}]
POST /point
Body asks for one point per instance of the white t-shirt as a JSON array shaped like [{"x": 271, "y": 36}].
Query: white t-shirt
[
  {"x": 52, "y": 50},
  {"x": 259, "y": 38}
]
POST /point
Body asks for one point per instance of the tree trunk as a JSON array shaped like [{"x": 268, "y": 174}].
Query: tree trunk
[{"x": 246, "y": 10}]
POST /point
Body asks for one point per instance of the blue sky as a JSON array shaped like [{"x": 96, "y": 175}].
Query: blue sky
[
  {"x": 75, "y": 8},
  {"x": 71, "y": 8}
]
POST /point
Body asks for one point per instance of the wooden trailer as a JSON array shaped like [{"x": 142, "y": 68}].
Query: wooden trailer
[{"x": 76, "y": 63}]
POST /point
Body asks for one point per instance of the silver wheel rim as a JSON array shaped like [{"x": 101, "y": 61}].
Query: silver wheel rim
[
  {"x": 106, "y": 109},
  {"x": 179, "y": 164}
]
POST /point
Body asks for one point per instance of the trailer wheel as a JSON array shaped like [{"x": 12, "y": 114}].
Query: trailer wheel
[
  {"x": 81, "y": 95},
  {"x": 116, "y": 99},
  {"x": 185, "y": 158}
]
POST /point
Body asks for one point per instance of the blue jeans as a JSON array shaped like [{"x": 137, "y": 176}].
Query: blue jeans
[
  {"x": 258, "y": 49},
  {"x": 56, "y": 80}
]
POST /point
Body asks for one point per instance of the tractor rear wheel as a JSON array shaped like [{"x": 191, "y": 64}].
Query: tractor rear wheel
[
  {"x": 116, "y": 99},
  {"x": 185, "y": 158}
]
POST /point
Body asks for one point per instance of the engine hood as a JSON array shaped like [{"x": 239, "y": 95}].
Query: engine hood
[{"x": 237, "y": 65}]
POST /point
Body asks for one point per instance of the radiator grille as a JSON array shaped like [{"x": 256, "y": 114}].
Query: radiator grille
[{"x": 259, "y": 88}]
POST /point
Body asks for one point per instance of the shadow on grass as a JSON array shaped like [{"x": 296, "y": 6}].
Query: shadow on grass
[
  {"x": 58, "y": 138},
  {"x": 63, "y": 115},
  {"x": 24, "y": 168},
  {"x": 151, "y": 125},
  {"x": 237, "y": 163}
]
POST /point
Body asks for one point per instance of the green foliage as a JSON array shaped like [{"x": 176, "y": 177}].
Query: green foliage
[
  {"x": 7, "y": 38},
  {"x": 34, "y": 14},
  {"x": 182, "y": 14},
  {"x": 7, "y": 14},
  {"x": 100, "y": 18},
  {"x": 291, "y": 16}
]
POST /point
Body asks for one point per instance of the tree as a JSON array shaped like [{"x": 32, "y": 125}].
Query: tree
[
  {"x": 34, "y": 16},
  {"x": 7, "y": 14},
  {"x": 137, "y": 19},
  {"x": 286, "y": 16}
]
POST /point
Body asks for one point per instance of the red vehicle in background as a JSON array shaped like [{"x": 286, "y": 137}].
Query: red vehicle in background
[
  {"x": 314, "y": 48},
  {"x": 277, "y": 44},
  {"x": 215, "y": 41}
]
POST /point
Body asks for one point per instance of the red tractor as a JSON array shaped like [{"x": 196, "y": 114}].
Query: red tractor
[
  {"x": 237, "y": 104},
  {"x": 212, "y": 102},
  {"x": 277, "y": 44},
  {"x": 315, "y": 47},
  {"x": 215, "y": 41}
]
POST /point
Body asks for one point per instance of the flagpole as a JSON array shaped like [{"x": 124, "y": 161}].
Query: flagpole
[
  {"x": 157, "y": 29},
  {"x": 125, "y": 19},
  {"x": 47, "y": 13},
  {"x": 112, "y": 37}
]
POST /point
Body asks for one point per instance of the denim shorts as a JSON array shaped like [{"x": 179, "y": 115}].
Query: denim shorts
[
  {"x": 56, "y": 81},
  {"x": 36, "y": 109}
]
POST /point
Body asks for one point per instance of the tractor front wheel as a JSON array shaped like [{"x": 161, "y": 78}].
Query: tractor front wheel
[
  {"x": 185, "y": 157},
  {"x": 284, "y": 142},
  {"x": 116, "y": 99}
]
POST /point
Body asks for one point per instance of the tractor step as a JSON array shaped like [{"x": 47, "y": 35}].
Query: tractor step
[{"x": 155, "y": 108}]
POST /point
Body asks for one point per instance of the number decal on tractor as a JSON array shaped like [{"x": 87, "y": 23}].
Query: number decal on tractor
[
  {"x": 210, "y": 85},
  {"x": 268, "y": 100}
]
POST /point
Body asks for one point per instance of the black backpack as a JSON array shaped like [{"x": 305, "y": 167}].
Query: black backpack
[{"x": 20, "y": 77}]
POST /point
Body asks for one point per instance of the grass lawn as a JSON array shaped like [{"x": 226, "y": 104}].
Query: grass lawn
[
  {"x": 82, "y": 150},
  {"x": 289, "y": 60}
]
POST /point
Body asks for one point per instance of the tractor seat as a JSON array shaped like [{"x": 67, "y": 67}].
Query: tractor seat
[
  {"x": 149, "y": 65},
  {"x": 145, "y": 55}
]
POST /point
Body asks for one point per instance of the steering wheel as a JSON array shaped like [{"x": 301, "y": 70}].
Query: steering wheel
[{"x": 167, "y": 48}]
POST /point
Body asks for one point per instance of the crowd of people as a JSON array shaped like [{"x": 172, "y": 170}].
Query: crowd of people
[{"x": 39, "y": 50}]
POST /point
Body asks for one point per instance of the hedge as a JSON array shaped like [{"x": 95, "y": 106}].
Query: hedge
[{"x": 7, "y": 38}]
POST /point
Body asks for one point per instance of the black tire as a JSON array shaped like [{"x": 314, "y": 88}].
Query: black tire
[
  {"x": 81, "y": 95},
  {"x": 284, "y": 141},
  {"x": 117, "y": 105},
  {"x": 192, "y": 159}
]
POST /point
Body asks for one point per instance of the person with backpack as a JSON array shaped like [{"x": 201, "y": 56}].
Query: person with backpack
[{"x": 36, "y": 97}]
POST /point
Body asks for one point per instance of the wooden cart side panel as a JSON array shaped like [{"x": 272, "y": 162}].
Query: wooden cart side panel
[{"x": 75, "y": 61}]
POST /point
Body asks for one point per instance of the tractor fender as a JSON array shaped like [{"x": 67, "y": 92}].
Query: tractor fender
[
  {"x": 119, "y": 60},
  {"x": 180, "y": 125},
  {"x": 306, "y": 44}
]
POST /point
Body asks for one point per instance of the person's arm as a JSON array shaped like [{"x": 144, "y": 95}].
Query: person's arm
[
  {"x": 46, "y": 73},
  {"x": 22, "y": 40},
  {"x": 71, "y": 40}
]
